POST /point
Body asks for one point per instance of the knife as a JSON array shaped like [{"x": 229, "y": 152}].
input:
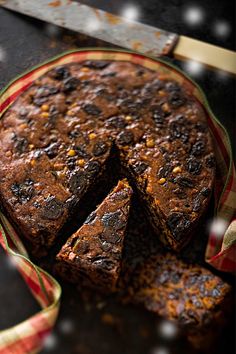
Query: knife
[{"x": 123, "y": 32}]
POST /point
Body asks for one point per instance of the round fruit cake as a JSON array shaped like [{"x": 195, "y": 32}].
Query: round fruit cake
[{"x": 60, "y": 135}]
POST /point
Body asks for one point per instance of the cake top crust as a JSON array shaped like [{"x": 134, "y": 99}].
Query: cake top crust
[{"x": 59, "y": 133}]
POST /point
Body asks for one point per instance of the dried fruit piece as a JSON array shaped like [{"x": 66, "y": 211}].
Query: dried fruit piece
[
  {"x": 96, "y": 64},
  {"x": 176, "y": 99},
  {"x": 53, "y": 208},
  {"x": 116, "y": 122},
  {"x": 71, "y": 162},
  {"x": 100, "y": 148},
  {"x": 184, "y": 182},
  {"x": 24, "y": 191},
  {"x": 196, "y": 203},
  {"x": 74, "y": 134},
  {"x": 60, "y": 73},
  {"x": 109, "y": 74},
  {"x": 158, "y": 116},
  {"x": 78, "y": 182},
  {"x": 139, "y": 167},
  {"x": 172, "y": 86},
  {"x": 92, "y": 136},
  {"x": 150, "y": 143},
  {"x": 198, "y": 148},
  {"x": 8, "y": 153},
  {"x": 81, "y": 151},
  {"x": 52, "y": 150},
  {"x": 45, "y": 91},
  {"x": 194, "y": 166},
  {"x": 177, "y": 169},
  {"x": 125, "y": 137},
  {"x": 45, "y": 107},
  {"x": 164, "y": 170},
  {"x": 80, "y": 162},
  {"x": 161, "y": 180},
  {"x": 114, "y": 220},
  {"x": 92, "y": 168},
  {"x": 210, "y": 161},
  {"x": 178, "y": 129},
  {"x": 201, "y": 127},
  {"x": 92, "y": 109},
  {"x": 70, "y": 84},
  {"x": 44, "y": 115},
  {"x": 177, "y": 222},
  {"x": 71, "y": 152},
  {"x": 21, "y": 143},
  {"x": 166, "y": 109},
  {"x": 104, "y": 263},
  {"x": 205, "y": 191}
]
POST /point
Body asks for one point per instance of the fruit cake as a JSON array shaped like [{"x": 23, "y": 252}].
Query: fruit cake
[
  {"x": 188, "y": 294},
  {"x": 57, "y": 138},
  {"x": 92, "y": 255},
  {"x": 176, "y": 287}
]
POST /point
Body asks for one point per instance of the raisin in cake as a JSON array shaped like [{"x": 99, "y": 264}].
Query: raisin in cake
[
  {"x": 57, "y": 138},
  {"x": 92, "y": 256}
]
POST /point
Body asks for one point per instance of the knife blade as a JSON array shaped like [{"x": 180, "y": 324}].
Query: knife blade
[{"x": 123, "y": 32}]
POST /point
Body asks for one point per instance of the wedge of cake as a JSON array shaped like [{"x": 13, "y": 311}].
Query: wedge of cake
[
  {"x": 179, "y": 288},
  {"x": 190, "y": 295},
  {"x": 92, "y": 255}
]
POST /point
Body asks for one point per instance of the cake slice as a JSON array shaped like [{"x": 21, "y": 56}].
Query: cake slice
[
  {"x": 176, "y": 288},
  {"x": 190, "y": 295},
  {"x": 92, "y": 255}
]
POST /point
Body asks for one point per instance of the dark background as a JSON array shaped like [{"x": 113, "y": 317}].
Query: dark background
[{"x": 25, "y": 42}]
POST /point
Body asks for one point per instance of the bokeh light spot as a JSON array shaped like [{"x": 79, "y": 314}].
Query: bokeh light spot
[
  {"x": 167, "y": 330},
  {"x": 66, "y": 326},
  {"x": 12, "y": 262},
  {"x": 221, "y": 29},
  {"x": 130, "y": 12},
  {"x": 50, "y": 342},
  {"x": 223, "y": 76},
  {"x": 159, "y": 350},
  {"x": 218, "y": 227},
  {"x": 193, "y": 15},
  {"x": 193, "y": 67},
  {"x": 52, "y": 30}
]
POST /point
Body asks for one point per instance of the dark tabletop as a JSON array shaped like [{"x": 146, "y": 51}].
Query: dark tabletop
[{"x": 25, "y": 42}]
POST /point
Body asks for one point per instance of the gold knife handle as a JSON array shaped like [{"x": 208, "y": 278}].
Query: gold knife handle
[{"x": 207, "y": 54}]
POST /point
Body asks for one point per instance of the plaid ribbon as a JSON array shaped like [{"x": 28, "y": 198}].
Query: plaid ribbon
[{"x": 28, "y": 336}]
